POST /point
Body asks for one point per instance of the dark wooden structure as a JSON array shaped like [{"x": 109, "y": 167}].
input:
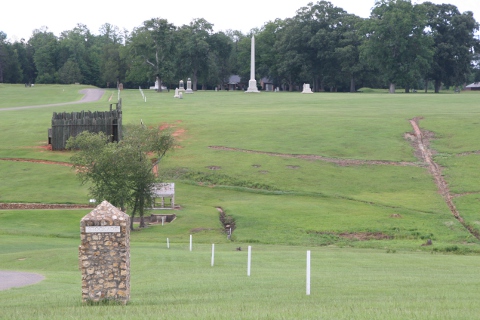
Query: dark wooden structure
[{"x": 66, "y": 125}]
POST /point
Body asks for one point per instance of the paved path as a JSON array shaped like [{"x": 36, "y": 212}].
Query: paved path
[
  {"x": 90, "y": 95},
  {"x": 11, "y": 279}
]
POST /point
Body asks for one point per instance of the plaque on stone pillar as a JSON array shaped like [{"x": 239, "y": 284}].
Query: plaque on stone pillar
[{"x": 104, "y": 255}]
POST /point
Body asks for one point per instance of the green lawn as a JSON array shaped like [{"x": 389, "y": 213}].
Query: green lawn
[{"x": 365, "y": 223}]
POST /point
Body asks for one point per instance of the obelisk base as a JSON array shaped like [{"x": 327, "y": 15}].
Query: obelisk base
[{"x": 252, "y": 87}]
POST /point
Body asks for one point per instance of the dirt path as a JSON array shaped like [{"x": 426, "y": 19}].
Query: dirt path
[
  {"x": 422, "y": 141},
  {"x": 90, "y": 95},
  {"x": 58, "y": 163},
  {"x": 13, "y": 279},
  {"x": 340, "y": 162}
]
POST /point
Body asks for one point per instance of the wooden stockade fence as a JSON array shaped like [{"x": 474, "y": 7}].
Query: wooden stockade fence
[{"x": 66, "y": 125}]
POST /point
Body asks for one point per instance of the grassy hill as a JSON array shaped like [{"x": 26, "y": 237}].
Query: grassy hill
[{"x": 330, "y": 172}]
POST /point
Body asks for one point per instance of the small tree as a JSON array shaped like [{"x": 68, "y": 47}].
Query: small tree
[{"x": 121, "y": 173}]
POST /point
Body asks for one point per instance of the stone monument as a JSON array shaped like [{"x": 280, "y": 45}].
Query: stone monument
[
  {"x": 252, "y": 84},
  {"x": 176, "y": 93},
  {"x": 189, "y": 86},
  {"x": 306, "y": 88},
  {"x": 104, "y": 254},
  {"x": 181, "y": 86}
]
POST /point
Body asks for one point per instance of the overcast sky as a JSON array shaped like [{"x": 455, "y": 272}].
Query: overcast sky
[{"x": 20, "y": 17}]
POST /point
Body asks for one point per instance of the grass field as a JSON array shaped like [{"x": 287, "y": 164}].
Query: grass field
[{"x": 297, "y": 172}]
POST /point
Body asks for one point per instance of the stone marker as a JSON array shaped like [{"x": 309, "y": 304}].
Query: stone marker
[
  {"x": 104, "y": 254},
  {"x": 189, "y": 86},
  {"x": 176, "y": 93},
  {"x": 181, "y": 86},
  {"x": 306, "y": 88}
]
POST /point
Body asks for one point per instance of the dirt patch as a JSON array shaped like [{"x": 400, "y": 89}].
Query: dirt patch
[
  {"x": 359, "y": 236},
  {"x": 364, "y": 236},
  {"x": 340, "y": 162},
  {"x": 396, "y": 215},
  {"x": 59, "y": 163},
  {"x": 293, "y": 167},
  {"x": 214, "y": 167},
  {"x": 28, "y": 206}
]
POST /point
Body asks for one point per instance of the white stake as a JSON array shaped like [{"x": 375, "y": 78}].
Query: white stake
[
  {"x": 249, "y": 262},
  {"x": 213, "y": 253},
  {"x": 308, "y": 272},
  {"x": 190, "y": 242},
  {"x": 168, "y": 244}
]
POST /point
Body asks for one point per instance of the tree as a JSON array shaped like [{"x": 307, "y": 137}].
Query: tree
[
  {"x": 397, "y": 42},
  {"x": 195, "y": 49},
  {"x": 121, "y": 173},
  {"x": 348, "y": 50},
  {"x": 152, "y": 50},
  {"x": 45, "y": 51},
  {"x": 454, "y": 42}
]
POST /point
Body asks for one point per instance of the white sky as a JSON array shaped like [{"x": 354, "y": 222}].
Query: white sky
[{"x": 20, "y": 17}]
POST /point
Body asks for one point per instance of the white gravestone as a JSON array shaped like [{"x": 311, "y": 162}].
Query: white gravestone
[
  {"x": 176, "y": 93},
  {"x": 306, "y": 88},
  {"x": 181, "y": 86},
  {"x": 189, "y": 86}
]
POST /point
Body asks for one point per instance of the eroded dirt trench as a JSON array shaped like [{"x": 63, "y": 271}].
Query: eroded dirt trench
[{"x": 421, "y": 140}]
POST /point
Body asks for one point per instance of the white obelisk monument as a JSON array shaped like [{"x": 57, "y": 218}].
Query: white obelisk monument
[{"x": 252, "y": 84}]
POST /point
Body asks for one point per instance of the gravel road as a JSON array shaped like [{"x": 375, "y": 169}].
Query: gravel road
[
  {"x": 90, "y": 95},
  {"x": 12, "y": 279}
]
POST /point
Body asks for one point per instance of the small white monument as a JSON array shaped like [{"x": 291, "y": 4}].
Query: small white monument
[
  {"x": 180, "y": 95},
  {"x": 181, "y": 86},
  {"x": 306, "y": 88},
  {"x": 252, "y": 84},
  {"x": 157, "y": 85},
  {"x": 189, "y": 86},
  {"x": 176, "y": 93}
]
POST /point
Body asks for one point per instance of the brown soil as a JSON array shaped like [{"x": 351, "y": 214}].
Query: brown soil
[
  {"x": 29, "y": 206},
  {"x": 421, "y": 141},
  {"x": 59, "y": 163},
  {"x": 340, "y": 162}
]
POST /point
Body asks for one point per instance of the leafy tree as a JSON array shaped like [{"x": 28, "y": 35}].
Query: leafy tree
[
  {"x": 152, "y": 50},
  {"x": 10, "y": 67},
  {"x": 25, "y": 58},
  {"x": 112, "y": 63},
  {"x": 70, "y": 73},
  {"x": 121, "y": 173},
  {"x": 292, "y": 53},
  {"x": 454, "y": 43},
  {"x": 194, "y": 49},
  {"x": 397, "y": 43},
  {"x": 266, "y": 54},
  {"x": 45, "y": 52},
  {"x": 322, "y": 21},
  {"x": 220, "y": 67},
  {"x": 348, "y": 49}
]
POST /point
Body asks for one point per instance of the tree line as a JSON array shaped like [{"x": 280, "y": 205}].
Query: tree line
[{"x": 412, "y": 46}]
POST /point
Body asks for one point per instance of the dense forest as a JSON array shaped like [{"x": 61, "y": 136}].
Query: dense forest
[{"x": 403, "y": 45}]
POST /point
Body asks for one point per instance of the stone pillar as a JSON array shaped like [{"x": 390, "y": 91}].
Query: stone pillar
[
  {"x": 104, "y": 254},
  {"x": 181, "y": 86},
  {"x": 252, "y": 84},
  {"x": 189, "y": 86}
]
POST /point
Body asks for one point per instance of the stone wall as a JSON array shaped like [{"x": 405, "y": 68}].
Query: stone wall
[{"x": 104, "y": 254}]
